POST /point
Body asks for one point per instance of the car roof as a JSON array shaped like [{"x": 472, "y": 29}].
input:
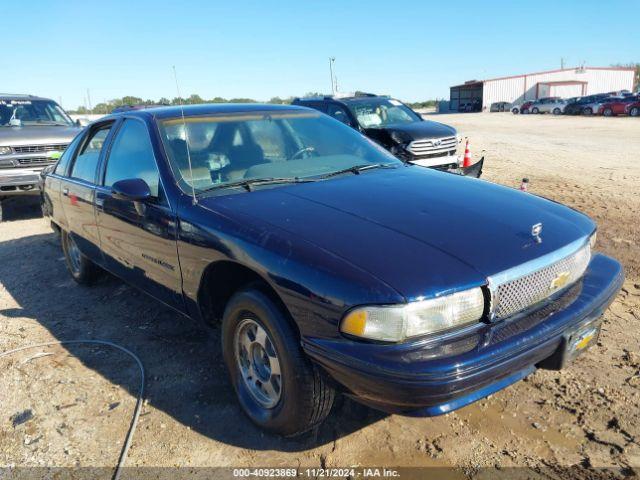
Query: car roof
[
  {"x": 20, "y": 96},
  {"x": 205, "y": 109}
]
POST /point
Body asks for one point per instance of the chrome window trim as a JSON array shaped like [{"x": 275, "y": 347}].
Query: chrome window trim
[{"x": 527, "y": 268}]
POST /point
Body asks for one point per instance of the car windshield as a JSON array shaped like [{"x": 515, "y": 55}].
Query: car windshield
[
  {"x": 380, "y": 112},
  {"x": 270, "y": 145},
  {"x": 25, "y": 112}
]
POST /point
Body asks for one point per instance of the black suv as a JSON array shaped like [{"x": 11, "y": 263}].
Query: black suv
[{"x": 395, "y": 126}]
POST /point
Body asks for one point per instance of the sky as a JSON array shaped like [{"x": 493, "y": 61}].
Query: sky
[{"x": 412, "y": 50}]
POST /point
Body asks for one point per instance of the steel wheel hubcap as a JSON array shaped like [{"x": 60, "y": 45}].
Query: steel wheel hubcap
[
  {"x": 258, "y": 363},
  {"x": 74, "y": 253}
]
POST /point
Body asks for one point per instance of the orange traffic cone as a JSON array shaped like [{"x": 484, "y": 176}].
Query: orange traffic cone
[{"x": 466, "y": 162}]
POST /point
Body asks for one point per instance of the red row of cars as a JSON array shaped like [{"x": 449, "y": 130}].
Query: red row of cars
[{"x": 620, "y": 106}]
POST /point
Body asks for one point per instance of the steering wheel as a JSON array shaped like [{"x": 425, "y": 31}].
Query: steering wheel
[{"x": 302, "y": 151}]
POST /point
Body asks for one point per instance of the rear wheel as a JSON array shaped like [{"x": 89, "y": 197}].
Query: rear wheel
[
  {"x": 557, "y": 111},
  {"x": 514, "y": 111},
  {"x": 535, "y": 110},
  {"x": 607, "y": 112},
  {"x": 83, "y": 270},
  {"x": 587, "y": 111},
  {"x": 634, "y": 112},
  {"x": 277, "y": 386}
]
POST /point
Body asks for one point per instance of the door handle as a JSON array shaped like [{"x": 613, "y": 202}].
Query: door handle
[{"x": 65, "y": 191}]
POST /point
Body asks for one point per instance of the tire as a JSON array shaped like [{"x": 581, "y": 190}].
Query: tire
[
  {"x": 514, "y": 111},
  {"x": 535, "y": 110},
  {"x": 557, "y": 111},
  {"x": 607, "y": 112},
  {"x": 634, "y": 112},
  {"x": 83, "y": 270},
  {"x": 587, "y": 111},
  {"x": 288, "y": 404}
]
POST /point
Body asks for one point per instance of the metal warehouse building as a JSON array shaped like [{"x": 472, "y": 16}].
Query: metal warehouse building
[{"x": 568, "y": 82}]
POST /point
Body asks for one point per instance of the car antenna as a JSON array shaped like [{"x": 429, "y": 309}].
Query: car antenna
[{"x": 186, "y": 136}]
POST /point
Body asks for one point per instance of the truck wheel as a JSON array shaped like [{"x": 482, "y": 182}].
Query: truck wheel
[
  {"x": 279, "y": 389},
  {"x": 83, "y": 270}
]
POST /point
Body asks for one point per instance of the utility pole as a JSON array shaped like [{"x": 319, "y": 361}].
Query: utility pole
[
  {"x": 89, "y": 99},
  {"x": 561, "y": 63},
  {"x": 333, "y": 88}
]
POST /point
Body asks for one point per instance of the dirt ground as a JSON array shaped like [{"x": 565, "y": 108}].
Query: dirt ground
[{"x": 72, "y": 405}]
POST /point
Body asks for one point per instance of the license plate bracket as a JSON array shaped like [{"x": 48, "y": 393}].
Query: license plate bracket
[{"x": 573, "y": 343}]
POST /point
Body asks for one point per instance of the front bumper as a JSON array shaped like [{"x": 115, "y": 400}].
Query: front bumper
[
  {"x": 435, "y": 376},
  {"x": 19, "y": 181}
]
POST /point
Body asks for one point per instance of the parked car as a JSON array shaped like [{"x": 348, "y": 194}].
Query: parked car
[
  {"x": 553, "y": 105},
  {"x": 500, "y": 107},
  {"x": 34, "y": 131},
  {"x": 472, "y": 106},
  {"x": 633, "y": 109},
  {"x": 615, "y": 106},
  {"x": 521, "y": 107},
  {"x": 395, "y": 126},
  {"x": 577, "y": 107},
  {"x": 331, "y": 265}
]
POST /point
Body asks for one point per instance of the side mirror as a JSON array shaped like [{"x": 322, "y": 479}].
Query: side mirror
[
  {"x": 132, "y": 189},
  {"x": 77, "y": 123}
]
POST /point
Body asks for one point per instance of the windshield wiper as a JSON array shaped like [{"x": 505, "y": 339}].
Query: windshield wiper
[
  {"x": 356, "y": 169},
  {"x": 48, "y": 122},
  {"x": 250, "y": 183}
]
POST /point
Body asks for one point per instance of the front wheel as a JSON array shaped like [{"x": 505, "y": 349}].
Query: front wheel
[
  {"x": 607, "y": 112},
  {"x": 587, "y": 111},
  {"x": 83, "y": 270},
  {"x": 277, "y": 386},
  {"x": 535, "y": 110},
  {"x": 634, "y": 112},
  {"x": 557, "y": 111},
  {"x": 514, "y": 111}
]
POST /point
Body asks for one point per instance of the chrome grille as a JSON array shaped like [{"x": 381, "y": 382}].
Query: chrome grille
[
  {"x": 35, "y": 160},
  {"x": 517, "y": 294},
  {"x": 60, "y": 147},
  {"x": 433, "y": 146}
]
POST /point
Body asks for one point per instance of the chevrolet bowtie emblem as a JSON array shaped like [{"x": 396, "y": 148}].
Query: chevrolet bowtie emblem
[
  {"x": 560, "y": 281},
  {"x": 536, "y": 230}
]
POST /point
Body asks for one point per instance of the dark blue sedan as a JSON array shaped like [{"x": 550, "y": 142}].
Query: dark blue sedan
[{"x": 331, "y": 265}]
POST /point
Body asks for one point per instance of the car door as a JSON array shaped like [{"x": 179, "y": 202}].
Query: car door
[
  {"x": 138, "y": 238},
  {"x": 79, "y": 187}
]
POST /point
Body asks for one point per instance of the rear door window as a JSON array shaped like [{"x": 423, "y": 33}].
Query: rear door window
[{"x": 84, "y": 167}]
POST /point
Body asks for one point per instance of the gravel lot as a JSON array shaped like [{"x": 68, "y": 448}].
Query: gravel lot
[{"x": 73, "y": 406}]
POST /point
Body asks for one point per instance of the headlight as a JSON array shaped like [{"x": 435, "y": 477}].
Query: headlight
[
  {"x": 5, "y": 150},
  {"x": 459, "y": 137},
  {"x": 395, "y": 323},
  {"x": 592, "y": 240}
]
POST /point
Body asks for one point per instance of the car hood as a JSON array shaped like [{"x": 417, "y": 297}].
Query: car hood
[
  {"x": 421, "y": 130},
  {"x": 421, "y": 231},
  {"x": 37, "y": 135}
]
